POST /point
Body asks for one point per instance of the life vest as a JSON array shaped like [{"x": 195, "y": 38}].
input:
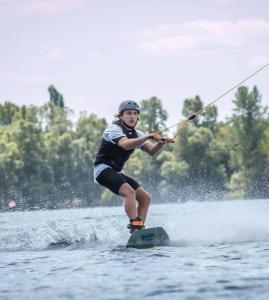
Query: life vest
[{"x": 112, "y": 154}]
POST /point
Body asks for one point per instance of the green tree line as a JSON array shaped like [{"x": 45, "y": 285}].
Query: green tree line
[{"x": 46, "y": 159}]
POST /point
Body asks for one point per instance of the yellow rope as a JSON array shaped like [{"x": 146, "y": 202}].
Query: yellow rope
[
  {"x": 193, "y": 116},
  {"x": 180, "y": 128}
]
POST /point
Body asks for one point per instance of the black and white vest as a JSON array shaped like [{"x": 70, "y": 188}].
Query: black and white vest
[{"x": 112, "y": 154}]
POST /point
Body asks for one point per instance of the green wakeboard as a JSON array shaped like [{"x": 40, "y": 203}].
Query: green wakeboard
[{"x": 147, "y": 238}]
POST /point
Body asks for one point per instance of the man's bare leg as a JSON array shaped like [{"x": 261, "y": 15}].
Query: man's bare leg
[
  {"x": 143, "y": 199},
  {"x": 130, "y": 203}
]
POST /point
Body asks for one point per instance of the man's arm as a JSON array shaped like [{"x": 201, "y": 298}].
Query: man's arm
[
  {"x": 152, "y": 149},
  {"x": 129, "y": 144}
]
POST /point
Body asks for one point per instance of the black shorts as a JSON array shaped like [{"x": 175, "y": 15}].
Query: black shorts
[{"x": 113, "y": 180}]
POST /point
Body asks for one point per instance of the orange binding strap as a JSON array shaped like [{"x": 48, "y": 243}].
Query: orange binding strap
[{"x": 137, "y": 223}]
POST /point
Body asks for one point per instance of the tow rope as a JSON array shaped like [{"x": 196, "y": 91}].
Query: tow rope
[{"x": 194, "y": 115}]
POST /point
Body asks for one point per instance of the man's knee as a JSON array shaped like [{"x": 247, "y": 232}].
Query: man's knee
[
  {"x": 143, "y": 197},
  {"x": 147, "y": 198},
  {"x": 126, "y": 190}
]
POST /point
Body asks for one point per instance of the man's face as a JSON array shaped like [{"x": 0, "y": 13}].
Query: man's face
[{"x": 129, "y": 117}]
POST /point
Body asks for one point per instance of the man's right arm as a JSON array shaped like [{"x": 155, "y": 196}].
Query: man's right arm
[{"x": 129, "y": 144}]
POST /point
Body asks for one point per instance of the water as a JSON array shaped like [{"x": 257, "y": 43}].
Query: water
[{"x": 218, "y": 250}]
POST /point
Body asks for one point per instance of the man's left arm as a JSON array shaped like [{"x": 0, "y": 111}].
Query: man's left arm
[{"x": 153, "y": 149}]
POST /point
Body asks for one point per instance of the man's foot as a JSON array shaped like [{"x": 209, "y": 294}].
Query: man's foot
[{"x": 135, "y": 224}]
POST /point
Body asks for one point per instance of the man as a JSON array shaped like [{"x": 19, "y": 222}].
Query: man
[{"x": 119, "y": 141}]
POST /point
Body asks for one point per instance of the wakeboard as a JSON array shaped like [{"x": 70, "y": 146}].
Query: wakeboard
[{"x": 147, "y": 238}]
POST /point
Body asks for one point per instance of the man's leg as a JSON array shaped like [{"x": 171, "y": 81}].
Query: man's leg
[
  {"x": 129, "y": 195},
  {"x": 143, "y": 199},
  {"x": 116, "y": 183}
]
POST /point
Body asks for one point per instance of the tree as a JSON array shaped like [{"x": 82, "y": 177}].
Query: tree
[
  {"x": 54, "y": 114},
  {"x": 199, "y": 160},
  {"x": 153, "y": 116},
  {"x": 22, "y": 158},
  {"x": 206, "y": 118},
  {"x": 85, "y": 144},
  {"x": 200, "y": 151},
  {"x": 55, "y": 97},
  {"x": 8, "y": 113},
  {"x": 10, "y": 164},
  {"x": 192, "y": 105},
  {"x": 250, "y": 124}
]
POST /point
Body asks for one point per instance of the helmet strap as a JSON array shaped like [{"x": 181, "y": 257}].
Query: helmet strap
[{"x": 127, "y": 126}]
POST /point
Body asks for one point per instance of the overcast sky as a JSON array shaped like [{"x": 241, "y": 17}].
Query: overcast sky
[{"x": 100, "y": 52}]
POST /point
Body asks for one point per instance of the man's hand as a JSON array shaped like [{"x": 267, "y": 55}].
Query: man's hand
[
  {"x": 166, "y": 140},
  {"x": 160, "y": 139},
  {"x": 154, "y": 136}
]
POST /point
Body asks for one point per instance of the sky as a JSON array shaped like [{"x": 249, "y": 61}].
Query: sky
[{"x": 98, "y": 53}]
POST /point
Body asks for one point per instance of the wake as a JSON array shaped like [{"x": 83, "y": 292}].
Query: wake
[{"x": 206, "y": 223}]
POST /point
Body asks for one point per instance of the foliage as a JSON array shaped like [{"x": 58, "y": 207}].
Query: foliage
[
  {"x": 250, "y": 122},
  {"x": 46, "y": 159}
]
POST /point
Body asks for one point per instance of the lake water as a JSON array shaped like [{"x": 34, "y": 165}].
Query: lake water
[{"x": 218, "y": 250}]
